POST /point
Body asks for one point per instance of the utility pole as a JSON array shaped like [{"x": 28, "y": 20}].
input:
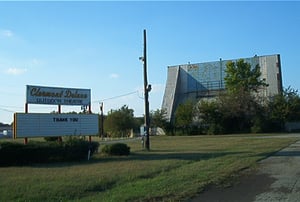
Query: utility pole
[
  {"x": 102, "y": 120},
  {"x": 147, "y": 89}
]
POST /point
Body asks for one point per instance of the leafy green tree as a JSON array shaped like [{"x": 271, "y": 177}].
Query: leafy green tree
[
  {"x": 284, "y": 107},
  {"x": 292, "y": 100},
  {"x": 184, "y": 116},
  {"x": 238, "y": 111},
  {"x": 210, "y": 117},
  {"x": 241, "y": 77},
  {"x": 119, "y": 122},
  {"x": 241, "y": 103},
  {"x": 158, "y": 118},
  {"x": 260, "y": 120}
]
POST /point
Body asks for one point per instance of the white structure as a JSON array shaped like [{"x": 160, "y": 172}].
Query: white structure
[
  {"x": 204, "y": 80},
  {"x": 48, "y": 125}
]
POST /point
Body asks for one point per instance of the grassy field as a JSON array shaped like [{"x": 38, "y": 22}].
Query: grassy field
[{"x": 175, "y": 169}]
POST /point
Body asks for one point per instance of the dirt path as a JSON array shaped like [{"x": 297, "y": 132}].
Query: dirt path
[{"x": 277, "y": 179}]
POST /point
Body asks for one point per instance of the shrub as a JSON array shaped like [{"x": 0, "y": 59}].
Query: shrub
[
  {"x": 51, "y": 139},
  {"x": 215, "y": 129},
  {"x": 76, "y": 148},
  {"x": 116, "y": 149},
  {"x": 45, "y": 152}
]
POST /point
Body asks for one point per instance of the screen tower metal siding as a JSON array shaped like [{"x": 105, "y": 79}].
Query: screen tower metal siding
[{"x": 206, "y": 80}]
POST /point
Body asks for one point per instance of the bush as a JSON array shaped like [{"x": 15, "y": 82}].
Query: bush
[
  {"x": 76, "y": 148},
  {"x": 116, "y": 149},
  {"x": 51, "y": 139},
  {"x": 45, "y": 152},
  {"x": 215, "y": 129}
]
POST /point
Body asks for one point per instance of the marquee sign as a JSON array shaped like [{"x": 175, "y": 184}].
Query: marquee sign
[
  {"x": 57, "y": 96},
  {"x": 47, "y": 125}
]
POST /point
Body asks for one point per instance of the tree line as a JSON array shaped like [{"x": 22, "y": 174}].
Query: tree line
[{"x": 122, "y": 123}]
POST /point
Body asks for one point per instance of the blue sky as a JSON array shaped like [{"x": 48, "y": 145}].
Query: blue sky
[{"x": 96, "y": 45}]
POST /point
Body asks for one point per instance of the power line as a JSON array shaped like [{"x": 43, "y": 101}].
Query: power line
[
  {"x": 13, "y": 109},
  {"x": 118, "y": 96},
  {"x": 6, "y": 110},
  {"x": 6, "y": 106}
]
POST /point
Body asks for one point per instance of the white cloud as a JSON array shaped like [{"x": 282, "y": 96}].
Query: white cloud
[
  {"x": 15, "y": 71},
  {"x": 114, "y": 76},
  {"x": 6, "y": 33}
]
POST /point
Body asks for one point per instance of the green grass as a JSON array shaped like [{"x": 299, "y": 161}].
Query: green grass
[{"x": 175, "y": 169}]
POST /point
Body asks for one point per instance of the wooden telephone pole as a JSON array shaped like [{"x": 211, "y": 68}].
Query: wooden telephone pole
[{"x": 147, "y": 89}]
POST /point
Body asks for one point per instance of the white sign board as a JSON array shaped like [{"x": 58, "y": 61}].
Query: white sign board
[
  {"x": 48, "y": 125},
  {"x": 57, "y": 96}
]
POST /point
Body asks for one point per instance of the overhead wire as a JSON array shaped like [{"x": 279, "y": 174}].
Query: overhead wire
[
  {"x": 6, "y": 110},
  {"x": 119, "y": 96}
]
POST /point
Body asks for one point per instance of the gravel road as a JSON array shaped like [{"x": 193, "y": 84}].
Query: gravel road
[{"x": 277, "y": 178}]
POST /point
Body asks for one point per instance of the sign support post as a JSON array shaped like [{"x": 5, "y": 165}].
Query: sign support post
[
  {"x": 90, "y": 111},
  {"x": 26, "y": 111},
  {"x": 59, "y": 139}
]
